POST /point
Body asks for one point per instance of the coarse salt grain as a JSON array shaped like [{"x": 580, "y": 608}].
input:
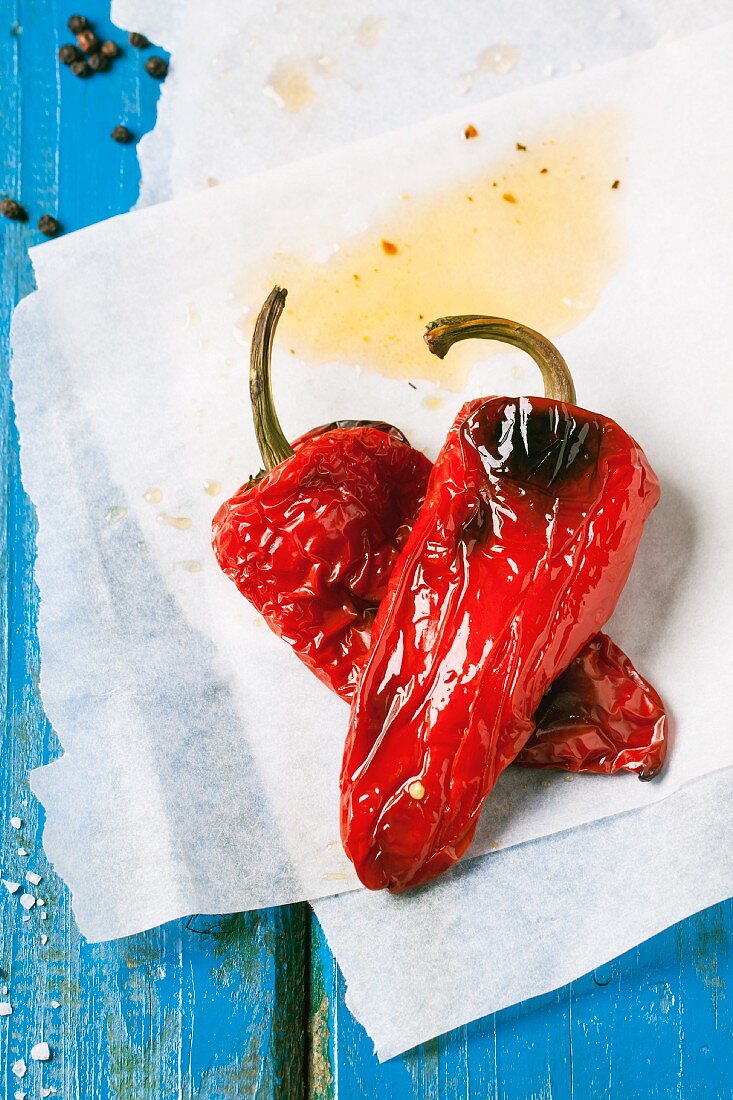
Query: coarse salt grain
[
  {"x": 16, "y": 822},
  {"x": 23, "y": 852},
  {"x": 55, "y": 1004},
  {"x": 33, "y": 878},
  {"x": 19, "y": 1095},
  {"x": 27, "y": 901},
  {"x": 5, "y": 1008},
  {"x": 19, "y": 1068},
  {"x": 11, "y": 887},
  {"x": 41, "y": 1052},
  {"x": 44, "y": 940}
]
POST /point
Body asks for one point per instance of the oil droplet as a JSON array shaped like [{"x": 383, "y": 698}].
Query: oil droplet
[
  {"x": 334, "y": 846},
  {"x": 181, "y": 523},
  {"x": 336, "y": 876},
  {"x": 153, "y": 496},
  {"x": 495, "y": 60},
  {"x": 212, "y": 181},
  {"x": 115, "y": 515},
  {"x": 464, "y": 249},
  {"x": 187, "y": 566},
  {"x": 213, "y": 488},
  {"x": 289, "y": 86},
  {"x": 432, "y": 401},
  {"x": 369, "y": 32},
  {"x": 192, "y": 316},
  {"x": 517, "y": 372},
  {"x": 500, "y": 58}
]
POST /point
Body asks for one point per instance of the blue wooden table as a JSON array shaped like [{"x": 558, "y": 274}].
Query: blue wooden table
[{"x": 251, "y": 1005}]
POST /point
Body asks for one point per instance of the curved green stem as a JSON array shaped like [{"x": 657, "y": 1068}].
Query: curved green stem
[
  {"x": 271, "y": 439},
  {"x": 442, "y": 334}
]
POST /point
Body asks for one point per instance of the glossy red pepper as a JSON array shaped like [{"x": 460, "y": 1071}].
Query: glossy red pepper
[
  {"x": 313, "y": 540},
  {"x": 583, "y": 719},
  {"x": 601, "y": 716},
  {"x": 530, "y": 524}
]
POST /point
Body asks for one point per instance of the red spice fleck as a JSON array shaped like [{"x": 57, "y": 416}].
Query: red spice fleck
[
  {"x": 389, "y": 248},
  {"x": 508, "y": 197},
  {"x": 470, "y": 132},
  {"x": 615, "y": 185}
]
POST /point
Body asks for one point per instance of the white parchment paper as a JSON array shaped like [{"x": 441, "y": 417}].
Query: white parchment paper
[
  {"x": 356, "y": 70},
  {"x": 201, "y": 759}
]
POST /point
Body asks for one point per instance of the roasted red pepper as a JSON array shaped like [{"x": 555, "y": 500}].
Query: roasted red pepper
[
  {"x": 530, "y": 524},
  {"x": 582, "y": 729},
  {"x": 313, "y": 540},
  {"x": 599, "y": 716}
]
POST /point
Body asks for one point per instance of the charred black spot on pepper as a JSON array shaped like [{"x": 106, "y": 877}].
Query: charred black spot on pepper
[{"x": 546, "y": 446}]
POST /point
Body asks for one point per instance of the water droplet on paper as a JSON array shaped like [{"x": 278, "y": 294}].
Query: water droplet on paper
[
  {"x": 115, "y": 515},
  {"x": 192, "y": 316},
  {"x": 432, "y": 401},
  {"x": 289, "y": 86},
  {"x": 369, "y": 32},
  {"x": 153, "y": 496},
  {"x": 213, "y": 487},
  {"x": 188, "y": 566},
  {"x": 578, "y": 303},
  {"x": 499, "y": 58},
  {"x": 181, "y": 523}
]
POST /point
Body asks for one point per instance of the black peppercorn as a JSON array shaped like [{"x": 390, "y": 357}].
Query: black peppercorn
[
  {"x": 87, "y": 41},
  {"x": 77, "y": 23},
  {"x": 139, "y": 41},
  {"x": 122, "y": 134},
  {"x": 48, "y": 225},
  {"x": 110, "y": 49},
  {"x": 68, "y": 53},
  {"x": 80, "y": 68},
  {"x": 97, "y": 62},
  {"x": 9, "y": 208},
  {"x": 157, "y": 67}
]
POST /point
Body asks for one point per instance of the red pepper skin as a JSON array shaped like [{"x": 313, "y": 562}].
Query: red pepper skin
[
  {"x": 312, "y": 543},
  {"x": 530, "y": 525},
  {"x": 599, "y": 716}
]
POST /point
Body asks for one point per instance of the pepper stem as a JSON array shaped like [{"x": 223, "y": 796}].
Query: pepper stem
[
  {"x": 442, "y": 334},
  {"x": 271, "y": 440}
]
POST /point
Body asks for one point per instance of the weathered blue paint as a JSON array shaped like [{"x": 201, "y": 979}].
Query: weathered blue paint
[{"x": 254, "y": 1005}]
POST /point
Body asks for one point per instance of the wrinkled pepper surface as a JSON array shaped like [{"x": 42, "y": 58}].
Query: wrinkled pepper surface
[
  {"x": 313, "y": 540},
  {"x": 530, "y": 524},
  {"x": 601, "y": 716}
]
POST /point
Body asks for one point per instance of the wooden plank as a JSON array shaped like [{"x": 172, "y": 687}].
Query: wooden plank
[{"x": 213, "y": 1011}]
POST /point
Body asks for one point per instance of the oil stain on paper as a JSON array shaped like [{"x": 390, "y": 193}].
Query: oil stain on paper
[{"x": 534, "y": 238}]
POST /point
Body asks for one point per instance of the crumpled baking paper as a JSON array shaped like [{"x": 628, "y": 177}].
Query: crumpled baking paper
[
  {"x": 201, "y": 760},
  {"x": 568, "y": 36},
  {"x": 357, "y": 70}
]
